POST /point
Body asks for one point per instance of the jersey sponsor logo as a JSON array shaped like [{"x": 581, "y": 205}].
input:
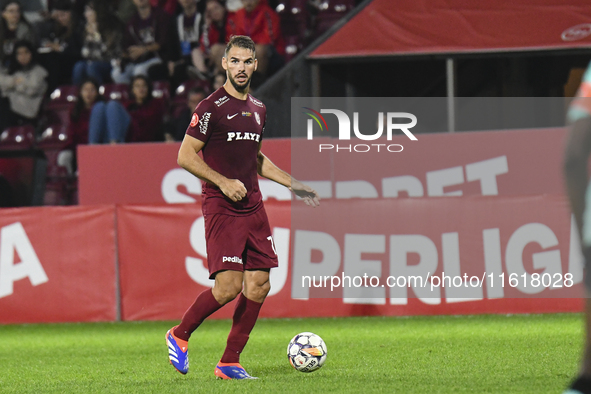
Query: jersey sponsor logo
[
  {"x": 239, "y": 135},
  {"x": 222, "y": 101},
  {"x": 194, "y": 120},
  {"x": 204, "y": 122},
  {"x": 258, "y": 118},
  {"x": 256, "y": 102},
  {"x": 245, "y": 113},
  {"x": 234, "y": 259},
  {"x": 230, "y": 117}
]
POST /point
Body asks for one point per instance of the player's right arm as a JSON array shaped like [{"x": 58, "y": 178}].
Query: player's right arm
[{"x": 189, "y": 159}]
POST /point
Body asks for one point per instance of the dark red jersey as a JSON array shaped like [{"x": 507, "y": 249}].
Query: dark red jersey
[{"x": 232, "y": 130}]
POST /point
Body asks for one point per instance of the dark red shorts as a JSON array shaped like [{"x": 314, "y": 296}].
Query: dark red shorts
[{"x": 239, "y": 243}]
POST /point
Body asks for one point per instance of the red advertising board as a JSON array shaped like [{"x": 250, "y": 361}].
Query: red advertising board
[
  {"x": 504, "y": 163},
  {"x": 57, "y": 264},
  {"x": 51, "y": 257},
  {"x": 146, "y": 173},
  {"x": 163, "y": 260},
  {"x": 517, "y": 162},
  {"x": 163, "y": 263},
  {"x": 508, "y": 240}
]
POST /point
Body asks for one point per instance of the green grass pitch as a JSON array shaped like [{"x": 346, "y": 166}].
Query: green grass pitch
[{"x": 479, "y": 354}]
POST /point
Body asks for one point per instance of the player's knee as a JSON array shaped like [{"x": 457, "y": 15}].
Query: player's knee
[
  {"x": 264, "y": 289},
  {"x": 259, "y": 291},
  {"x": 225, "y": 295},
  {"x": 226, "y": 292}
]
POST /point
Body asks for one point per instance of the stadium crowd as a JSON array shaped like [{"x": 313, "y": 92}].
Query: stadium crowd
[
  {"x": 111, "y": 42},
  {"x": 113, "y": 71}
]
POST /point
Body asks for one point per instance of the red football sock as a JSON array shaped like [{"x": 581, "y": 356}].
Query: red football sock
[
  {"x": 204, "y": 305},
  {"x": 243, "y": 321}
]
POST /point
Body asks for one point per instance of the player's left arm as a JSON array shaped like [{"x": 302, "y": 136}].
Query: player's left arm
[{"x": 267, "y": 169}]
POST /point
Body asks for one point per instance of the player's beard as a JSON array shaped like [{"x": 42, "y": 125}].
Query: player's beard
[{"x": 240, "y": 88}]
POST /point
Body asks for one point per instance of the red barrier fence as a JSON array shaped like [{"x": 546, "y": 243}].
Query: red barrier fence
[
  {"x": 500, "y": 225},
  {"x": 58, "y": 264},
  {"x": 504, "y": 163}
]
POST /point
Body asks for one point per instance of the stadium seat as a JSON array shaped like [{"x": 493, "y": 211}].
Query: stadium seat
[
  {"x": 60, "y": 181},
  {"x": 52, "y": 116},
  {"x": 294, "y": 18},
  {"x": 330, "y": 12},
  {"x": 18, "y": 138},
  {"x": 62, "y": 98},
  {"x": 161, "y": 89},
  {"x": 61, "y": 192},
  {"x": 293, "y": 46},
  {"x": 54, "y": 136},
  {"x": 53, "y": 140},
  {"x": 64, "y": 94},
  {"x": 115, "y": 91},
  {"x": 182, "y": 90}
]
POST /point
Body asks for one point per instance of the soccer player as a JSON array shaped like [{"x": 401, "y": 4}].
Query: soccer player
[
  {"x": 227, "y": 127},
  {"x": 577, "y": 152}
]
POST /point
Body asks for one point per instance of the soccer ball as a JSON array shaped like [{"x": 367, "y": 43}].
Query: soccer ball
[{"x": 306, "y": 352}]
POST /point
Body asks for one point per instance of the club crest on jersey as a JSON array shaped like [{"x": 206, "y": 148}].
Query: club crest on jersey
[
  {"x": 258, "y": 118},
  {"x": 245, "y": 113},
  {"x": 204, "y": 122},
  {"x": 194, "y": 120}
]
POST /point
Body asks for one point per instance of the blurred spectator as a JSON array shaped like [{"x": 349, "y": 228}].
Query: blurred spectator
[
  {"x": 61, "y": 43},
  {"x": 219, "y": 27},
  {"x": 219, "y": 80},
  {"x": 150, "y": 41},
  {"x": 169, "y": 6},
  {"x": 233, "y": 5},
  {"x": 13, "y": 27},
  {"x": 147, "y": 113},
  {"x": 94, "y": 120},
  {"x": 88, "y": 96},
  {"x": 34, "y": 10},
  {"x": 176, "y": 128},
  {"x": 261, "y": 23},
  {"x": 23, "y": 87},
  {"x": 189, "y": 25},
  {"x": 102, "y": 42},
  {"x": 124, "y": 10},
  {"x": 38, "y": 13}
]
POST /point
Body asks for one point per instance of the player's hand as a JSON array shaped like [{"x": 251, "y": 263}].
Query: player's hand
[
  {"x": 309, "y": 195},
  {"x": 233, "y": 189}
]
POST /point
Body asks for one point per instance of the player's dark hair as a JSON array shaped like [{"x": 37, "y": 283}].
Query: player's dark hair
[{"x": 240, "y": 42}]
